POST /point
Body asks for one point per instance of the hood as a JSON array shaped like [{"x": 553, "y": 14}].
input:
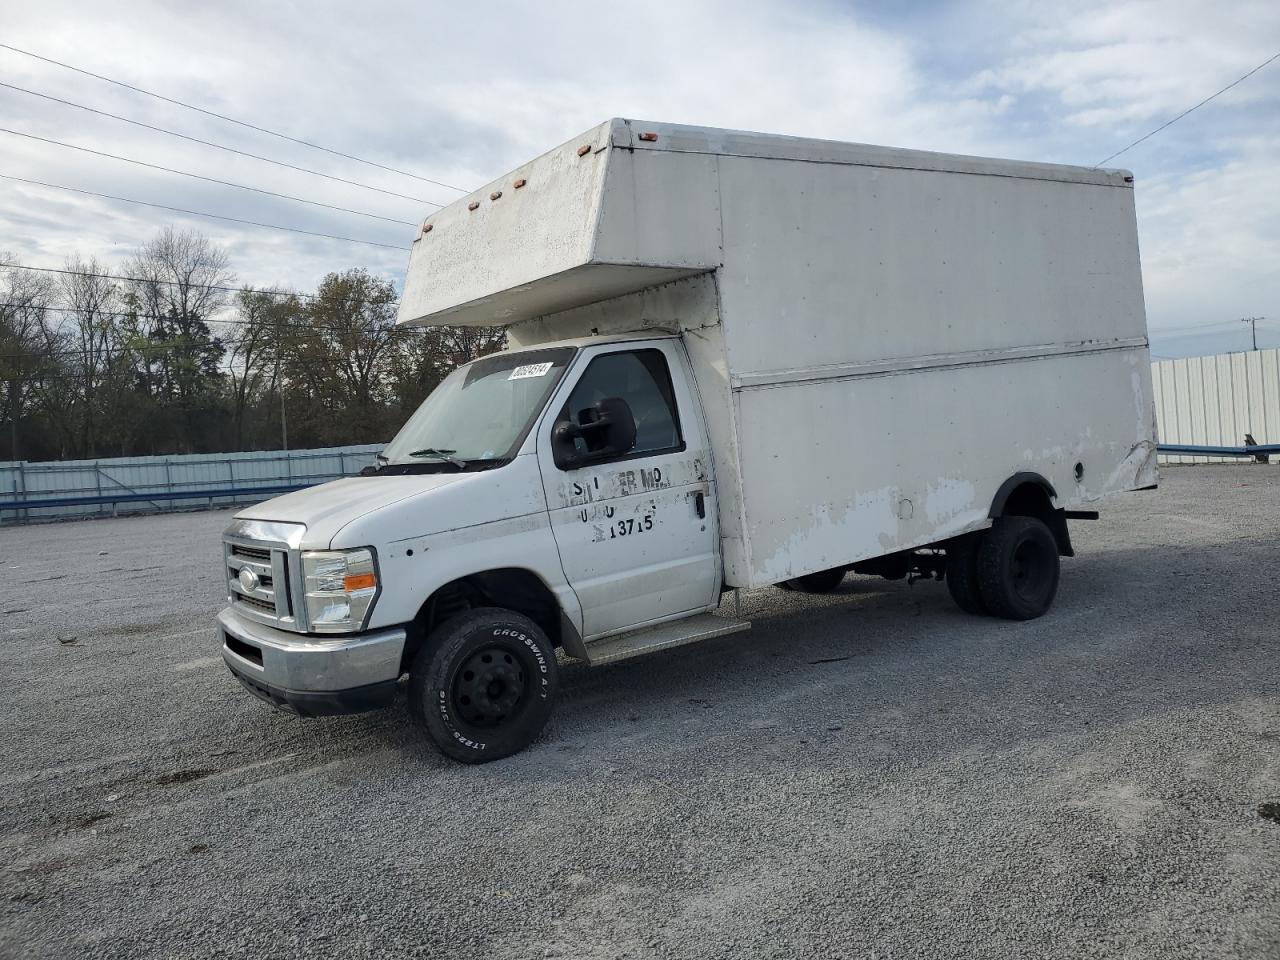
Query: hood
[{"x": 327, "y": 508}]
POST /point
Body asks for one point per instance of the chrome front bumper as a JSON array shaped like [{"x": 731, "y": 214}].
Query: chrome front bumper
[{"x": 309, "y": 676}]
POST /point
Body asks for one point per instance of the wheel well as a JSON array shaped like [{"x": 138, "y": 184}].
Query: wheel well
[
  {"x": 1031, "y": 495},
  {"x": 510, "y": 588}
]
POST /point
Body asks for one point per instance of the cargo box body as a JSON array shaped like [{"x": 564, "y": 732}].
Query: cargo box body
[{"x": 880, "y": 338}]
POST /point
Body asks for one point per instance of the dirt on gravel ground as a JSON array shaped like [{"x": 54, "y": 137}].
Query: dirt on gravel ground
[{"x": 866, "y": 774}]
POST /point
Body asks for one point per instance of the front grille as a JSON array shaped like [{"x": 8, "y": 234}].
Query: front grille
[
  {"x": 261, "y": 554},
  {"x": 257, "y": 604},
  {"x": 257, "y": 576}
]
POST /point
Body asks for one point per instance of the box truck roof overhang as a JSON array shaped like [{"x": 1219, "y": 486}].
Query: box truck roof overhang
[{"x": 626, "y": 206}]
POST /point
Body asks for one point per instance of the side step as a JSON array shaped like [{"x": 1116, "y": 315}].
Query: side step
[{"x": 673, "y": 633}]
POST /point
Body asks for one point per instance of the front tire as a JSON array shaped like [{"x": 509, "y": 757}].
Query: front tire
[
  {"x": 1018, "y": 568},
  {"x": 483, "y": 685}
]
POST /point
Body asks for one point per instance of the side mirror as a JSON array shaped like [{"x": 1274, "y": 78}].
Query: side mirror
[{"x": 608, "y": 430}]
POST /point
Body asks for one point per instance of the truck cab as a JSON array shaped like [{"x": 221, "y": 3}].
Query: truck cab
[{"x": 569, "y": 483}]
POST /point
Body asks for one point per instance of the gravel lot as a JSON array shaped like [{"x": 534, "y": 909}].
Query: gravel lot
[{"x": 870, "y": 774}]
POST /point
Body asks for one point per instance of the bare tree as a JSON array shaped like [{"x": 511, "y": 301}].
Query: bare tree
[
  {"x": 86, "y": 338},
  {"x": 24, "y": 361},
  {"x": 458, "y": 345},
  {"x": 353, "y": 322},
  {"x": 265, "y": 320},
  {"x": 425, "y": 357},
  {"x": 153, "y": 365},
  {"x": 181, "y": 276}
]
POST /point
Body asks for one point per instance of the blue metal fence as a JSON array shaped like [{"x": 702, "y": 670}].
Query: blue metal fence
[
  {"x": 1258, "y": 451},
  {"x": 86, "y": 488}
]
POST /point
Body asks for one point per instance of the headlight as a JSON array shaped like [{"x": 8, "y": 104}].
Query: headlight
[{"x": 339, "y": 587}]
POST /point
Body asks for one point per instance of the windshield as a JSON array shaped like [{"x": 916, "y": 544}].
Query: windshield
[{"x": 482, "y": 411}]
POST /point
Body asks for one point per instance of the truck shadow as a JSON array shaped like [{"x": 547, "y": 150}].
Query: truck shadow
[{"x": 1130, "y": 634}]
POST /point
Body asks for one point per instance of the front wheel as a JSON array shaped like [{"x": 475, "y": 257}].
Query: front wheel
[
  {"x": 483, "y": 684},
  {"x": 1018, "y": 568}
]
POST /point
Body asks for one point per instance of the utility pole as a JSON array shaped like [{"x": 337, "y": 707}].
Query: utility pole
[
  {"x": 1253, "y": 322},
  {"x": 284, "y": 426}
]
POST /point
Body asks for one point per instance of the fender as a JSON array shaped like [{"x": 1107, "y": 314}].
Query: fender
[
  {"x": 1017, "y": 480},
  {"x": 1054, "y": 518}
]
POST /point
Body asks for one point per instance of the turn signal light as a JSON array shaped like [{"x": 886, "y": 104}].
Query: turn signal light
[{"x": 358, "y": 581}]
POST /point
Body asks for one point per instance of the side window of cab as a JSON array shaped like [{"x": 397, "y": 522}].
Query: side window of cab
[{"x": 641, "y": 378}]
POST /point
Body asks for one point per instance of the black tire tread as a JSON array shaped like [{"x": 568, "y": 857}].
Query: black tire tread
[
  {"x": 993, "y": 559},
  {"x": 431, "y": 667},
  {"x": 962, "y": 573}
]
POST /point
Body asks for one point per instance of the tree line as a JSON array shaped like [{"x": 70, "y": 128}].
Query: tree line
[{"x": 177, "y": 359}]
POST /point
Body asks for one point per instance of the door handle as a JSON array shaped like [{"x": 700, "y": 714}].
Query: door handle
[{"x": 700, "y": 505}]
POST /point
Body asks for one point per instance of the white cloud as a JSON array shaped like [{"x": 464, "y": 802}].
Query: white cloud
[
  {"x": 1111, "y": 62},
  {"x": 1206, "y": 188},
  {"x": 464, "y": 93},
  {"x": 1212, "y": 239}
]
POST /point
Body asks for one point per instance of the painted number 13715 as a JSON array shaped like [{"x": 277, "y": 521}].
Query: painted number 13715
[{"x": 624, "y": 528}]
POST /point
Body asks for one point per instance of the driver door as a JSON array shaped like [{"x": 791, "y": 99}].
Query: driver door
[{"x": 637, "y": 531}]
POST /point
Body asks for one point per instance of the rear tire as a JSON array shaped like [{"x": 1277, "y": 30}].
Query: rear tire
[
  {"x": 824, "y": 581},
  {"x": 1018, "y": 568},
  {"x": 962, "y": 573},
  {"x": 483, "y": 684}
]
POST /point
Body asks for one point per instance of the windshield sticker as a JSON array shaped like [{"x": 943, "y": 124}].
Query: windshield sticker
[{"x": 531, "y": 370}]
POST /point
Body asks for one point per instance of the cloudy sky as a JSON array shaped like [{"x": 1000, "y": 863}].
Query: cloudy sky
[{"x": 460, "y": 93}]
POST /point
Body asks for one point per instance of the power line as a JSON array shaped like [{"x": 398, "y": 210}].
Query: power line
[
  {"x": 197, "y": 176},
  {"x": 268, "y": 335},
  {"x": 136, "y": 313},
  {"x": 166, "y": 283},
  {"x": 221, "y": 116},
  {"x": 285, "y": 332},
  {"x": 1189, "y": 110},
  {"x": 174, "y": 283},
  {"x": 142, "y": 314},
  {"x": 226, "y": 344},
  {"x": 1213, "y": 327},
  {"x": 1191, "y": 328},
  {"x": 198, "y": 213},
  {"x": 295, "y": 336},
  {"x": 210, "y": 143}
]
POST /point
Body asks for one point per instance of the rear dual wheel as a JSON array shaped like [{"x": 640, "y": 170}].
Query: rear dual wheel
[
  {"x": 1010, "y": 571},
  {"x": 483, "y": 684},
  {"x": 962, "y": 573}
]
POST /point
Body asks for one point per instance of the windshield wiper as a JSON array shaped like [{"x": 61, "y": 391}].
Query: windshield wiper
[{"x": 436, "y": 453}]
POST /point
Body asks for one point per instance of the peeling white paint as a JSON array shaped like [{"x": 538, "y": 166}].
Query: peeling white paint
[
  {"x": 869, "y": 518},
  {"x": 1138, "y": 463},
  {"x": 948, "y": 497}
]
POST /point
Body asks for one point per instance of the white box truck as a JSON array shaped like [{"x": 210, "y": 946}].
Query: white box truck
[{"x": 735, "y": 361}]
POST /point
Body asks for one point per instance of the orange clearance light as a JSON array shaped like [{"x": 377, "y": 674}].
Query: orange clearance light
[
  {"x": 427, "y": 228},
  {"x": 358, "y": 581},
  {"x": 520, "y": 183},
  {"x": 584, "y": 149},
  {"x": 473, "y": 205},
  {"x": 495, "y": 195},
  {"x": 651, "y": 137}
]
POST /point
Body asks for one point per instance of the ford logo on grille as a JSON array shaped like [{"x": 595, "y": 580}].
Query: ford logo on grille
[{"x": 249, "y": 581}]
